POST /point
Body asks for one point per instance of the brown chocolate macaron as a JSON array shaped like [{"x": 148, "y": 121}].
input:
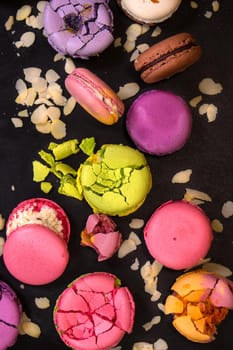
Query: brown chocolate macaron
[{"x": 168, "y": 57}]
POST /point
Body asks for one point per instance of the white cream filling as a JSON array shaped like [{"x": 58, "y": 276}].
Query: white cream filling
[
  {"x": 149, "y": 11},
  {"x": 47, "y": 217}
]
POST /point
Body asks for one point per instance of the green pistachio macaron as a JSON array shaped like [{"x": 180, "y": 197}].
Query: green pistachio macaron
[{"x": 115, "y": 180}]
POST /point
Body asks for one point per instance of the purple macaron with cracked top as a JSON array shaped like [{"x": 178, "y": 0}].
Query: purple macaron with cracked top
[
  {"x": 78, "y": 28},
  {"x": 159, "y": 122},
  {"x": 10, "y": 315}
]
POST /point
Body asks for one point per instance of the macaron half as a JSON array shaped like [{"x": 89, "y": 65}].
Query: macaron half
[
  {"x": 94, "y": 312},
  {"x": 35, "y": 251},
  {"x": 178, "y": 234}
]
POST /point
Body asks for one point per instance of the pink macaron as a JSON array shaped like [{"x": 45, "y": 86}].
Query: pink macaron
[
  {"x": 35, "y": 251},
  {"x": 178, "y": 234},
  {"x": 159, "y": 122},
  {"x": 10, "y": 316},
  {"x": 94, "y": 312},
  {"x": 95, "y": 96}
]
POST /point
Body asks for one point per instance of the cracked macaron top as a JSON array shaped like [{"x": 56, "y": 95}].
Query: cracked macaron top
[
  {"x": 10, "y": 315},
  {"x": 199, "y": 303},
  {"x": 94, "y": 312},
  {"x": 78, "y": 28},
  {"x": 109, "y": 177}
]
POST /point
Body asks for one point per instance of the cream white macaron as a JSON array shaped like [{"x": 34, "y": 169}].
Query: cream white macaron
[{"x": 149, "y": 11}]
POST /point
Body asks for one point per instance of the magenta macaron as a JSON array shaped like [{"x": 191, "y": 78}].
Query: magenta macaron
[
  {"x": 178, "y": 234},
  {"x": 35, "y": 251},
  {"x": 10, "y": 315},
  {"x": 159, "y": 122}
]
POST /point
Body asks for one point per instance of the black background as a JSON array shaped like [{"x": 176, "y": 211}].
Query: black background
[{"x": 209, "y": 153}]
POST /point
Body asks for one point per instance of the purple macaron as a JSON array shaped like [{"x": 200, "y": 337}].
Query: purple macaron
[
  {"x": 159, "y": 122},
  {"x": 10, "y": 315},
  {"x": 78, "y": 28}
]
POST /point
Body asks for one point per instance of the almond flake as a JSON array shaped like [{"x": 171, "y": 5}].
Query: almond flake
[
  {"x": 135, "y": 238},
  {"x": 142, "y": 47},
  {"x": 23, "y": 12},
  {"x": 129, "y": 46},
  {"x": 44, "y": 128},
  {"x": 133, "y": 31},
  {"x": 142, "y": 346},
  {"x": 31, "y": 96},
  {"x": 217, "y": 226},
  {"x": 195, "y": 196},
  {"x": 128, "y": 90},
  {"x": 136, "y": 223},
  {"x": 53, "y": 112},
  {"x": 26, "y": 40},
  {"x": 51, "y": 76},
  {"x": 207, "y": 86},
  {"x": 39, "y": 84},
  {"x": 127, "y": 247},
  {"x": 42, "y": 303},
  {"x": 156, "y": 32},
  {"x": 20, "y": 86},
  {"x": 155, "y": 320},
  {"x": 161, "y": 307},
  {"x": 32, "y": 329},
  {"x": 194, "y": 4},
  {"x": 41, "y": 5},
  {"x": 182, "y": 176},
  {"x": 23, "y": 113},
  {"x": 218, "y": 269},
  {"x": 58, "y": 129},
  {"x": 2, "y": 242},
  {"x": 195, "y": 101},
  {"x": 58, "y": 57},
  {"x": 9, "y": 23},
  {"x": 69, "y": 65},
  {"x": 160, "y": 344},
  {"x": 134, "y": 55},
  {"x": 208, "y": 14},
  {"x": 21, "y": 98},
  {"x": 145, "y": 28},
  {"x": 135, "y": 265},
  {"x": 39, "y": 115},
  {"x": 215, "y": 6},
  {"x": 117, "y": 42},
  {"x": 43, "y": 100},
  {"x": 31, "y": 74},
  {"x": 2, "y": 222},
  {"x": 35, "y": 22},
  {"x": 69, "y": 106},
  {"x": 227, "y": 209},
  {"x": 17, "y": 122},
  {"x": 211, "y": 113}
]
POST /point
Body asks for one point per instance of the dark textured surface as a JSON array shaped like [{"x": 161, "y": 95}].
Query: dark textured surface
[{"x": 208, "y": 153}]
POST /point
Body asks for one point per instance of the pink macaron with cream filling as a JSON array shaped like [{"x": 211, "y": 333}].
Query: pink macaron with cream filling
[
  {"x": 178, "y": 234},
  {"x": 95, "y": 96},
  {"x": 94, "y": 312},
  {"x": 35, "y": 251},
  {"x": 159, "y": 122}
]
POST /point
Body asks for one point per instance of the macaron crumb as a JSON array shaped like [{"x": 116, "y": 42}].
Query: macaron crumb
[
  {"x": 2, "y": 222},
  {"x": 42, "y": 302}
]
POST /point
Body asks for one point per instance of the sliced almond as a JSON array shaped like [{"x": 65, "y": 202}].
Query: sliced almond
[
  {"x": 39, "y": 84},
  {"x": 35, "y": 22},
  {"x": 41, "y": 5},
  {"x": 69, "y": 65},
  {"x": 136, "y": 223},
  {"x": 43, "y": 100},
  {"x": 211, "y": 113},
  {"x": 218, "y": 269},
  {"x": 58, "y": 57},
  {"x": 23, "y": 12},
  {"x": 20, "y": 86},
  {"x": 129, "y": 46},
  {"x": 194, "y": 4},
  {"x": 207, "y": 86},
  {"x": 53, "y": 112},
  {"x": 128, "y": 90},
  {"x": 2, "y": 222},
  {"x": 26, "y": 40},
  {"x": 126, "y": 248},
  {"x": 9, "y": 23},
  {"x": 17, "y": 122},
  {"x": 135, "y": 238},
  {"x": 31, "y": 96},
  {"x": 51, "y": 76},
  {"x": 195, "y": 101},
  {"x": 117, "y": 42},
  {"x": 191, "y": 195},
  {"x": 215, "y": 6},
  {"x": 42, "y": 303},
  {"x": 39, "y": 115},
  {"x": 58, "y": 129},
  {"x": 31, "y": 74},
  {"x": 227, "y": 209},
  {"x": 155, "y": 320},
  {"x": 44, "y": 128},
  {"x": 134, "y": 55},
  {"x": 156, "y": 32},
  {"x": 32, "y": 329},
  {"x": 160, "y": 344},
  {"x": 69, "y": 106},
  {"x": 135, "y": 265},
  {"x": 217, "y": 226},
  {"x": 182, "y": 176},
  {"x": 142, "y": 346},
  {"x": 23, "y": 113},
  {"x": 133, "y": 31}
]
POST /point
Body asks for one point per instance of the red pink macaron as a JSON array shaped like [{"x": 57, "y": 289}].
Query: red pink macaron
[{"x": 35, "y": 251}]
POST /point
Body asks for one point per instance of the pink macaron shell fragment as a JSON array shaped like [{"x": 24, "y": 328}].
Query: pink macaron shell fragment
[
  {"x": 159, "y": 122},
  {"x": 222, "y": 294},
  {"x": 35, "y": 255},
  {"x": 28, "y": 212},
  {"x": 100, "y": 234},
  {"x": 78, "y": 28},
  {"x": 10, "y": 315},
  {"x": 178, "y": 234},
  {"x": 98, "y": 325}
]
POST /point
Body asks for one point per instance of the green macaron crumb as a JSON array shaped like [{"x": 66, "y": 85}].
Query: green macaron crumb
[
  {"x": 68, "y": 187},
  {"x": 40, "y": 171},
  {"x": 46, "y": 186},
  {"x": 65, "y": 149},
  {"x": 115, "y": 180},
  {"x": 87, "y": 145}
]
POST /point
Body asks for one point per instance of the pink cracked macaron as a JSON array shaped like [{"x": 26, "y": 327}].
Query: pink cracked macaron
[
  {"x": 10, "y": 315},
  {"x": 159, "y": 122},
  {"x": 95, "y": 96},
  {"x": 94, "y": 312},
  {"x": 37, "y": 235},
  {"x": 178, "y": 234}
]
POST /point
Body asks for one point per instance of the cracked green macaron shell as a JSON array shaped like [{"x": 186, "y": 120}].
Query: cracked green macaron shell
[{"x": 115, "y": 180}]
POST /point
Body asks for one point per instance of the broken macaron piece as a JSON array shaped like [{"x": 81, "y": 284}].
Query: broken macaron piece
[
  {"x": 168, "y": 57},
  {"x": 94, "y": 312},
  {"x": 36, "y": 247},
  {"x": 199, "y": 303},
  {"x": 10, "y": 316},
  {"x": 178, "y": 234},
  {"x": 95, "y": 96},
  {"x": 115, "y": 180},
  {"x": 78, "y": 28},
  {"x": 101, "y": 234}
]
